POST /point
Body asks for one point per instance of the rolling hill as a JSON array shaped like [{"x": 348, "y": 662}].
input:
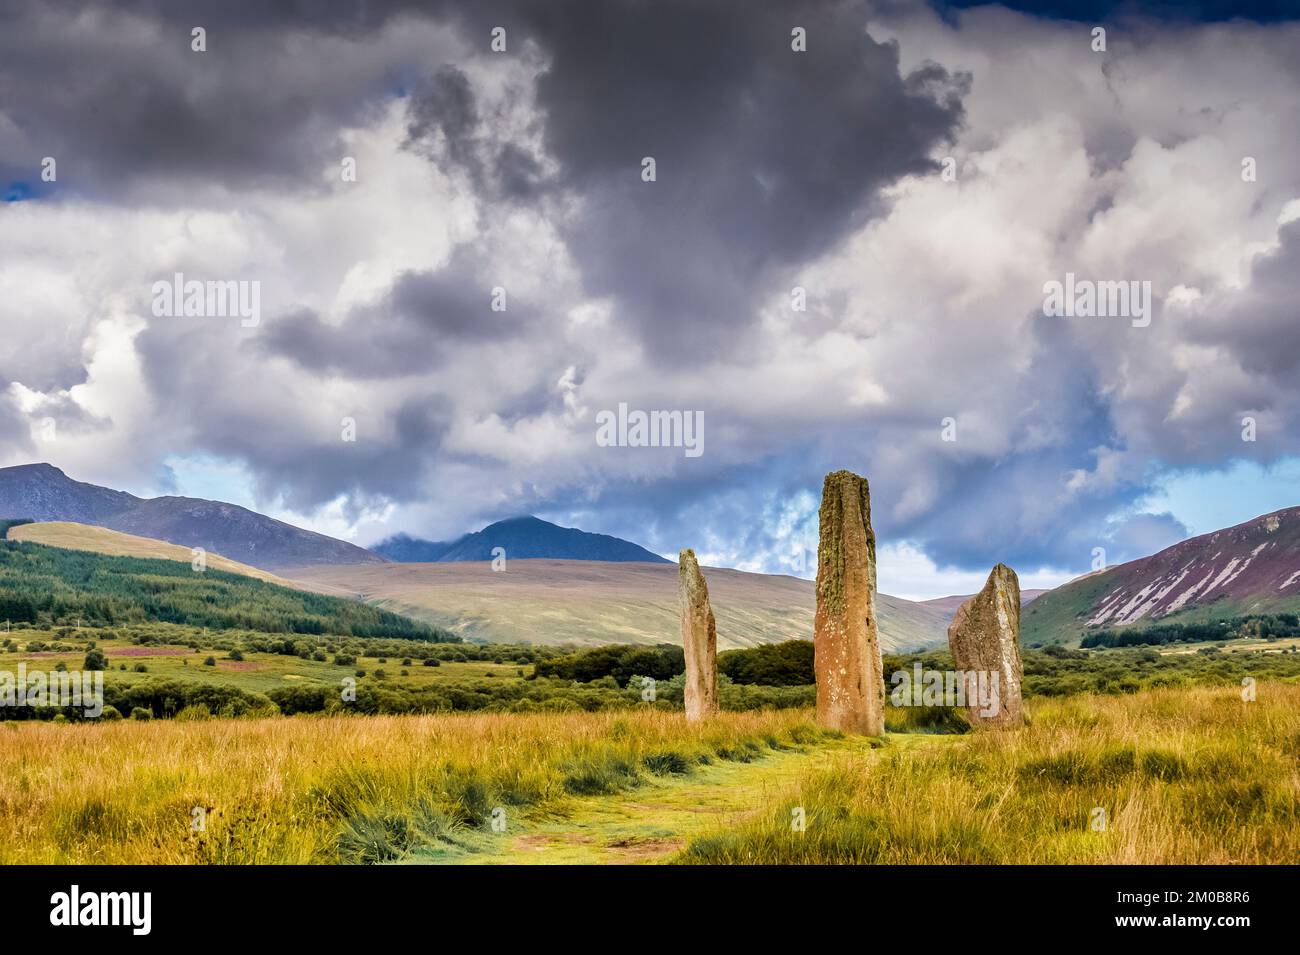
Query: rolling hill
[
  {"x": 101, "y": 540},
  {"x": 522, "y": 538},
  {"x": 1252, "y": 568},
  {"x": 55, "y": 586},
  {"x": 596, "y": 602},
  {"x": 43, "y": 493}
]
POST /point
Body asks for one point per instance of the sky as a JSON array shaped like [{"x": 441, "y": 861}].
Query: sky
[{"x": 462, "y": 266}]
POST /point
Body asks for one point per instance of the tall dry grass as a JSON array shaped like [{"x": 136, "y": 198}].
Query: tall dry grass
[
  {"x": 343, "y": 789},
  {"x": 1182, "y": 776}
]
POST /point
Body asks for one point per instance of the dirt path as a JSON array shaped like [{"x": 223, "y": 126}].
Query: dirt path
[{"x": 647, "y": 824}]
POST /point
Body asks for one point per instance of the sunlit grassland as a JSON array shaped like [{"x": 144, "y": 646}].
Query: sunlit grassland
[
  {"x": 1183, "y": 775},
  {"x": 338, "y": 789},
  {"x": 1189, "y": 775}
]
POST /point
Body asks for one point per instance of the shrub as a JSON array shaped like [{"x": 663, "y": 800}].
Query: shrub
[
  {"x": 774, "y": 664},
  {"x": 210, "y": 662},
  {"x": 95, "y": 660},
  {"x": 140, "y": 713}
]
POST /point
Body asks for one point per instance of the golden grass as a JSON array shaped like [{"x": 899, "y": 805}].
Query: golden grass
[
  {"x": 1182, "y": 775},
  {"x": 342, "y": 789}
]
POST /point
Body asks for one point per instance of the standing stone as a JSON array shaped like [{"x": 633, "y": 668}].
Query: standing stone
[
  {"x": 846, "y": 654},
  {"x": 985, "y": 640},
  {"x": 699, "y": 640}
]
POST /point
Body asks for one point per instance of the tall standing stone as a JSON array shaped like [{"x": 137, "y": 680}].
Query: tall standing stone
[
  {"x": 985, "y": 640},
  {"x": 846, "y": 655},
  {"x": 699, "y": 640}
]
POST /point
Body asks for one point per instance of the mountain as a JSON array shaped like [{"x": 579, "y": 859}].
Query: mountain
[
  {"x": 522, "y": 538},
  {"x": 1252, "y": 568},
  {"x": 44, "y": 493},
  {"x": 596, "y": 602},
  {"x": 950, "y": 604}
]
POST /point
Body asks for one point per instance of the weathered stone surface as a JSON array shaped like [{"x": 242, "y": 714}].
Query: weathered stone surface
[
  {"x": 984, "y": 637},
  {"x": 850, "y": 685},
  {"x": 699, "y": 640}
]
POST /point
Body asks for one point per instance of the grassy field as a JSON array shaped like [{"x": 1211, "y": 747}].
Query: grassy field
[
  {"x": 331, "y": 790},
  {"x": 1181, "y": 775},
  {"x": 1163, "y": 776}
]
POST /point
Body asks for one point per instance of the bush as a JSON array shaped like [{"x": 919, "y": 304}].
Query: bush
[
  {"x": 773, "y": 664},
  {"x": 140, "y": 668},
  {"x": 95, "y": 660},
  {"x": 235, "y": 655},
  {"x": 661, "y": 662},
  {"x": 210, "y": 662},
  {"x": 140, "y": 713}
]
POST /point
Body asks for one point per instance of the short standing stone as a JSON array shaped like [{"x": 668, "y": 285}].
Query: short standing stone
[
  {"x": 850, "y": 684},
  {"x": 699, "y": 640},
  {"x": 984, "y": 638}
]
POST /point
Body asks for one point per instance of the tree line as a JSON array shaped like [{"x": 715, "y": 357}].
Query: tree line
[{"x": 53, "y": 586}]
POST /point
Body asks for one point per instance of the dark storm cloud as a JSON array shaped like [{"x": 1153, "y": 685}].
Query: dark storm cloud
[
  {"x": 117, "y": 96},
  {"x": 410, "y": 329},
  {"x": 765, "y": 157},
  {"x": 1258, "y": 325},
  {"x": 366, "y": 471},
  {"x": 15, "y": 429},
  {"x": 445, "y": 125}
]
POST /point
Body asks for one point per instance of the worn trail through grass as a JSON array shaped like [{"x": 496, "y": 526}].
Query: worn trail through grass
[{"x": 651, "y": 823}]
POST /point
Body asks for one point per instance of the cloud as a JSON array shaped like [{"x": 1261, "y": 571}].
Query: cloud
[{"x": 521, "y": 170}]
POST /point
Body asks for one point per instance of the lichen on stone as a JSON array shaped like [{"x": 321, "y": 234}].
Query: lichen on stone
[{"x": 839, "y": 488}]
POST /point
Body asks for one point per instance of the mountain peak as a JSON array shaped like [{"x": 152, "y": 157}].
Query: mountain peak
[
  {"x": 39, "y": 467},
  {"x": 519, "y": 521},
  {"x": 523, "y": 537}
]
